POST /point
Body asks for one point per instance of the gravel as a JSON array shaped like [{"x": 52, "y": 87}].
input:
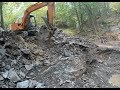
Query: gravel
[{"x": 34, "y": 62}]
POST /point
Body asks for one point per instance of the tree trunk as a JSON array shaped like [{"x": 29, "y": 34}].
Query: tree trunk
[
  {"x": 77, "y": 14},
  {"x": 1, "y": 16},
  {"x": 90, "y": 14},
  {"x": 80, "y": 14}
]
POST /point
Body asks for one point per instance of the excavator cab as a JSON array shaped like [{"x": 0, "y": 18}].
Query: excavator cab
[{"x": 31, "y": 22}]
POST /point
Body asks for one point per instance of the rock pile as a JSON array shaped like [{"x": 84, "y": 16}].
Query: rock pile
[{"x": 34, "y": 62}]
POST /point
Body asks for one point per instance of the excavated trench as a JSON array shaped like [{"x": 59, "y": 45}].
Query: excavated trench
[{"x": 65, "y": 62}]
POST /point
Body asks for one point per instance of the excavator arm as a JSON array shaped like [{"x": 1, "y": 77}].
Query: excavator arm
[
  {"x": 27, "y": 12},
  {"x": 24, "y": 24}
]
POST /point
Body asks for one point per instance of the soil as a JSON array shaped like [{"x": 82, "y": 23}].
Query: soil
[{"x": 64, "y": 62}]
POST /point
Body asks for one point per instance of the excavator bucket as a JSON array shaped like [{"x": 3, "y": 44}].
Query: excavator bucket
[{"x": 49, "y": 26}]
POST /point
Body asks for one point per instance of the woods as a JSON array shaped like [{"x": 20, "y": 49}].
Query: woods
[{"x": 79, "y": 16}]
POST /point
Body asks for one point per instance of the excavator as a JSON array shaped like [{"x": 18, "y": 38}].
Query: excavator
[{"x": 26, "y": 23}]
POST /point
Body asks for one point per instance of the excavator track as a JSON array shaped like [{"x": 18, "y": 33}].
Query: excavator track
[{"x": 27, "y": 33}]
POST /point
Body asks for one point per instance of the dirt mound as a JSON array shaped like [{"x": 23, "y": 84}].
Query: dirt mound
[{"x": 33, "y": 62}]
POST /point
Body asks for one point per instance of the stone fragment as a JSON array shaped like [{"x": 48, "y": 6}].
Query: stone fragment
[
  {"x": 40, "y": 85},
  {"x": 13, "y": 76},
  {"x": 23, "y": 84},
  {"x": 33, "y": 83},
  {"x": 29, "y": 67},
  {"x": 5, "y": 74},
  {"x": 1, "y": 78}
]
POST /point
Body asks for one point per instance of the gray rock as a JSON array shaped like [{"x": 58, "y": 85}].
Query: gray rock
[
  {"x": 5, "y": 74},
  {"x": 3, "y": 64},
  {"x": 4, "y": 86},
  {"x": 26, "y": 62},
  {"x": 66, "y": 53},
  {"x": 31, "y": 73},
  {"x": 1, "y": 29},
  {"x": 39, "y": 52},
  {"x": 29, "y": 67},
  {"x": 40, "y": 85},
  {"x": 46, "y": 62},
  {"x": 33, "y": 83},
  {"x": 1, "y": 78},
  {"x": 24, "y": 84},
  {"x": 7, "y": 67},
  {"x": 37, "y": 62},
  {"x": 22, "y": 74},
  {"x": 77, "y": 66},
  {"x": 25, "y": 51},
  {"x": 2, "y": 52},
  {"x": 13, "y": 76},
  {"x": 28, "y": 77},
  {"x": 1, "y": 39},
  {"x": 14, "y": 61}
]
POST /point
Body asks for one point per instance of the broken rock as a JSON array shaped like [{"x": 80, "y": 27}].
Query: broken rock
[
  {"x": 4, "y": 86},
  {"x": 32, "y": 83},
  {"x": 7, "y": 67},
  {"x": 5, "y": 74},
  {"x": 3, "y": 64},
  {"x": 23, "y": 84},
  {"x": 66, "y": 53},
  {"x": 40, "y": 85},
  {"x": 2, "y": 52},
  {"x": 13, "y": 76},
  {"x": 1, "y": 78},
  {"x": 29, "y": 67},
  {"x": 25, "y": 51},
  {"x": 1, "y": 29},
  {"x": 46, "y": 62},
  {"x": 14, "y": 61},
  {"x": 38, "y": 52},
  {"x": 22, "y": 74}
]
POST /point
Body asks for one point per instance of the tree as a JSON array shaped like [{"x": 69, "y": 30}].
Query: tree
[
  {"x": 77, "y": 14},
  {"x": 1, "y": 16}
]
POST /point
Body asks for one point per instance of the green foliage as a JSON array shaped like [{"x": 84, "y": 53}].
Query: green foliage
[
  {"x": 40, "y": 13},
  {"x": 115, "y": 6},
  {"x": 64, "y": 14},
  {"x": 74, "y": 15},
  {"x": 13, "y": 10}
]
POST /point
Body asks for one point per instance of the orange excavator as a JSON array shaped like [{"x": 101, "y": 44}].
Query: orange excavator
[{"x": 26, "y": 23}]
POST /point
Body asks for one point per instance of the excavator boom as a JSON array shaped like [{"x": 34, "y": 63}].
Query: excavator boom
[{"x": 24, "y": 24}]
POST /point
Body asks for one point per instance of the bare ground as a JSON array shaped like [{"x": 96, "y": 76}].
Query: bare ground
[{"x": 65, "y": 62}]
